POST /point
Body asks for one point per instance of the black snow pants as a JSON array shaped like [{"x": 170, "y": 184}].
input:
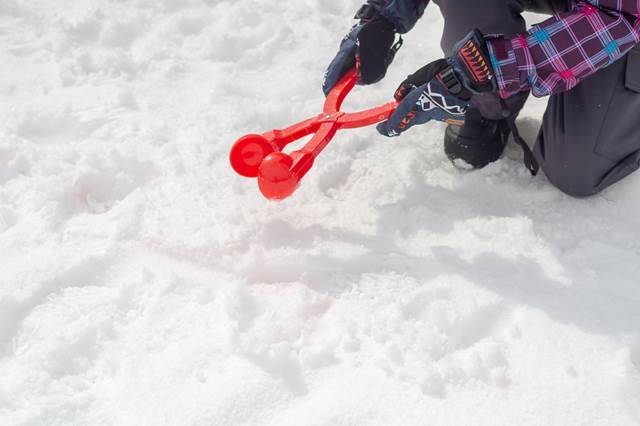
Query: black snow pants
[{"x": 590, "y": 135}]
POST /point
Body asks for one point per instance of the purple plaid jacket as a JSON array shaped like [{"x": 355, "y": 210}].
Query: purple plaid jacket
[{"x": 557, "y": 54}]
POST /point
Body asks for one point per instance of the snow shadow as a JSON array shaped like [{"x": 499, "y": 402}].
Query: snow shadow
[{"x": 549, "y": 281}]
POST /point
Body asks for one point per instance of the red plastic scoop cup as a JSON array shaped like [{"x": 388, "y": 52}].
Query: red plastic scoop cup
[{"x": 278, "y": 173}]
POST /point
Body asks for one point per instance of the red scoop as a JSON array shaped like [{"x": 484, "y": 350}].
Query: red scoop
[{"x": 278, "y": 173}]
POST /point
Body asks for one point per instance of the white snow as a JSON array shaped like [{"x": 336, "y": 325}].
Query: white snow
[{"x": 142, "y": 282}]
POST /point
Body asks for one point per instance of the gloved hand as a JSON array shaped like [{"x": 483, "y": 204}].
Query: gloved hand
[
  {"x": 369, "y": 46},
  {"x": 442, "y": 89}
]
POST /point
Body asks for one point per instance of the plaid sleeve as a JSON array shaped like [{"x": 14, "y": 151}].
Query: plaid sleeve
[{"x": 557, "y": 54}]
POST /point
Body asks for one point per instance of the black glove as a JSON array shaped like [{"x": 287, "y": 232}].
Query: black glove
[
  {"x": 370, "y": 47},
  {"x": 442, "y": 89}
]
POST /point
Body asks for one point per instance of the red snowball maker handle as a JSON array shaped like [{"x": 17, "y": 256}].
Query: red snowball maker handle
[{"x": 279, "y": 173}]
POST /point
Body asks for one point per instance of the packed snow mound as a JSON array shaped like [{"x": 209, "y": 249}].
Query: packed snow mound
[{"x": 142, "y": 282}]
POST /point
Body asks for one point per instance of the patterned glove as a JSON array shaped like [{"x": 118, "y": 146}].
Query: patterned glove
[
  {"x": 442, "y": 89},
  {"x": 369, "y": 46}
]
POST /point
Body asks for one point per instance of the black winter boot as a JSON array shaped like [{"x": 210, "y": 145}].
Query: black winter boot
[{"x": 477, "y": 142}]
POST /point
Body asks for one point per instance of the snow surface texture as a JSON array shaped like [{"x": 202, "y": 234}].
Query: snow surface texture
[{"x": 142, "y": 282}]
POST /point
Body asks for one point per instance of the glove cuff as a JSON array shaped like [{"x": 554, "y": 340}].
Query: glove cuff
[
  {"x": 472, "y": 64},
  {"x": 366, "y": 13},
  {"x": 376, "y": 49}
]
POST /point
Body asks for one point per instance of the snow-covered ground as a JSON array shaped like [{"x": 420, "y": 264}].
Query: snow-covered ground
[{"x": 142, "y": 282}]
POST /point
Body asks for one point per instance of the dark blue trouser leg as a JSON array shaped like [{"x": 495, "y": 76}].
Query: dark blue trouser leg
[
  {"x": 590, "y": 136},
  {"x": 489, "y": 16}
]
